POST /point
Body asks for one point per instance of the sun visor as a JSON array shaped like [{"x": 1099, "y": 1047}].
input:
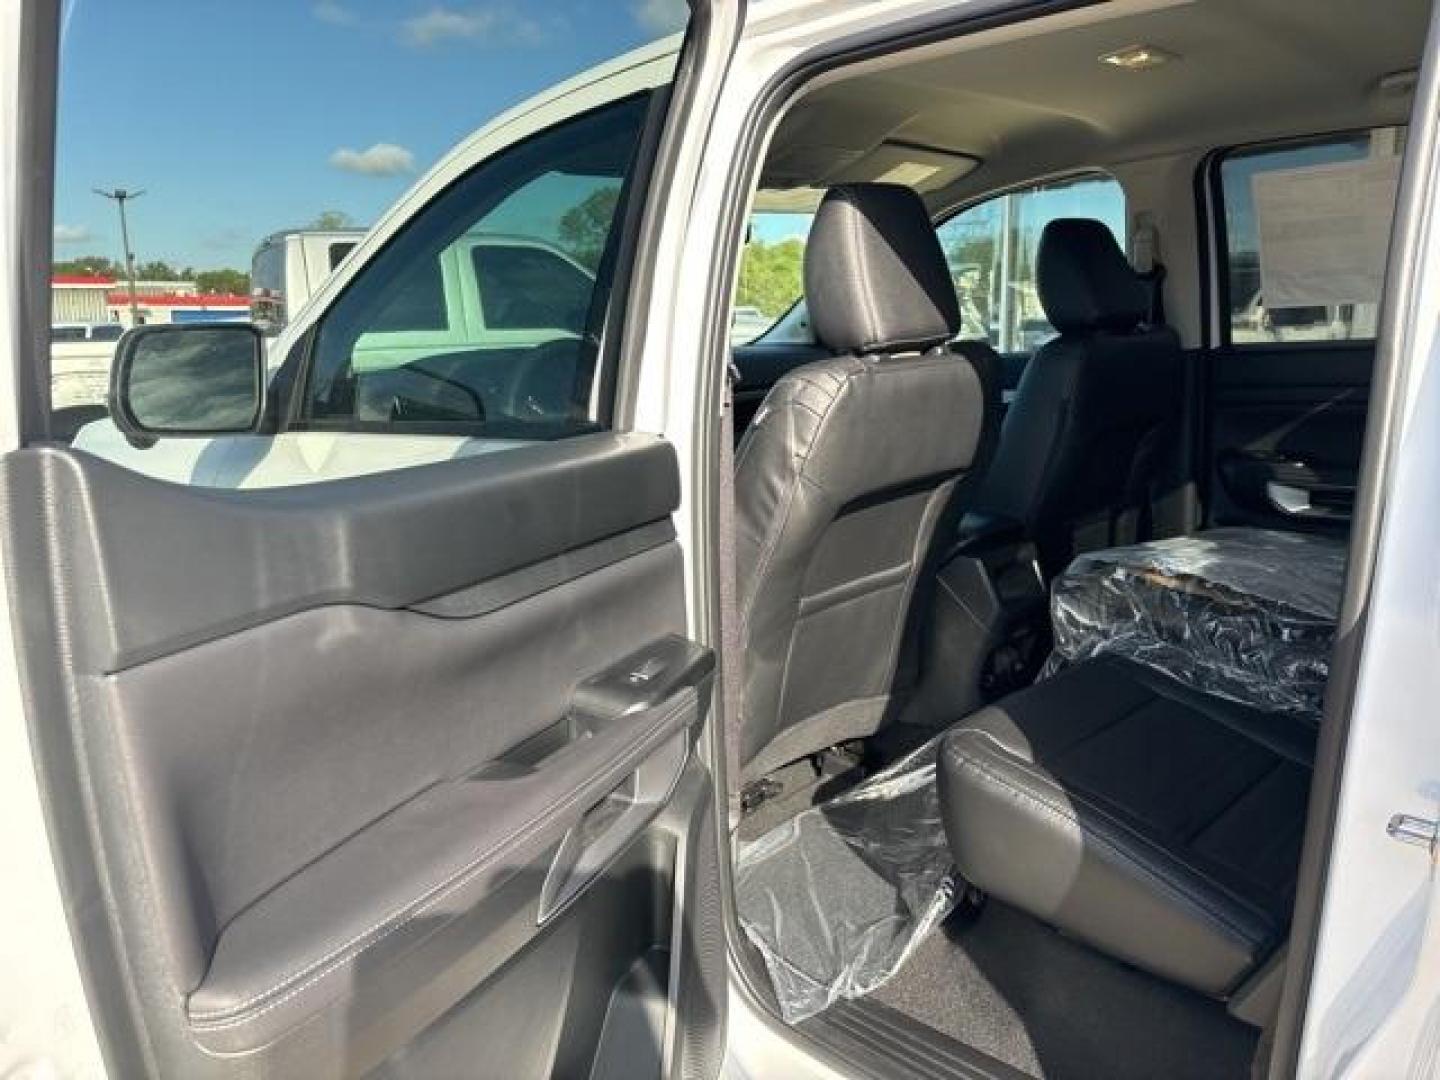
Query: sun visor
[
  {"x": 923, "y": 168},
  {"x": 795, "y": 181}
]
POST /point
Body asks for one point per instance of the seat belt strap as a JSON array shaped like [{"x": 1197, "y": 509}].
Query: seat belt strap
[
  {"x": 1155, "y": 280},
  {"x": 732, "y": 654}
]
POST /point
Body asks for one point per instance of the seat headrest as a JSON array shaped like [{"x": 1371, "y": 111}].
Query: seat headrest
[
  {"x": 1084, "y": 279},
  {"x": 875, "y": 276}
]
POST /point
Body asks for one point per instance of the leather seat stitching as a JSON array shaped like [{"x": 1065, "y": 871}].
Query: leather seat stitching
[
  {"x": 1172, "y": 888},
  {"x": 773, "y": 540},
  {"x": 1165, "y": 885},
  {"x": 1120, "y": 825}
]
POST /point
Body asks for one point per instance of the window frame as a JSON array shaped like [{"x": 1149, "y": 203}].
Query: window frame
[
  {"x": 1215, "y": 280},
  {"x": 1087, "y": 172},
  {"x": 290, "y": 384}
]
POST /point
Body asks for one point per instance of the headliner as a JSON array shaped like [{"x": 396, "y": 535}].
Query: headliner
[{"x": 1033, "y": 99}]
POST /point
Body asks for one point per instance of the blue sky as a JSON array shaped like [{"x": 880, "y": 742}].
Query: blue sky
[{"x": 241, "y": 119}]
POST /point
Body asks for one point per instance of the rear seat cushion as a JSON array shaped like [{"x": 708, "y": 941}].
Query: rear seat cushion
[
  {"x": 1160, "y": 825},
  {"x": 1245, "y": 614}
]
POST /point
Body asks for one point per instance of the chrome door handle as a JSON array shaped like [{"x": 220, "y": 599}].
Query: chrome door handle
[{"x": 1408, "y": 829}]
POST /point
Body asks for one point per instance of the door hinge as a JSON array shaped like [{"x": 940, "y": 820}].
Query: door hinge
[{"x": 1408, "y": 829}]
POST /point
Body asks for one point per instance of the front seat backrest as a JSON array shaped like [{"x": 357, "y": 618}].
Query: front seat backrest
[
  {"x": 1088, "y": 447},
  {"x": 843, "y": 473}
]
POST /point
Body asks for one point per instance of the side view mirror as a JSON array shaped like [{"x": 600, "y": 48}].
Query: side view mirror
[{"x": 187, "y": 380}]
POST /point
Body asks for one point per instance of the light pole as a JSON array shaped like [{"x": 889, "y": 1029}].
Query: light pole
[{"x": 119, "y": 195}]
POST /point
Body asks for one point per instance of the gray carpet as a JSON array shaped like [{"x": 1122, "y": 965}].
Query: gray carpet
[{"x": 1012, "y": 987}]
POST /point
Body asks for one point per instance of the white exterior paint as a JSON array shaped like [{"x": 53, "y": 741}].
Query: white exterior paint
[{"x": 1374, "y": 1003}]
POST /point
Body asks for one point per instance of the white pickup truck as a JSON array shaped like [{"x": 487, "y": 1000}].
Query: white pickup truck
[
  {"x": 80, "y": 355},
  {"x": 465, "y": 300},
  {"x": 289, "y": 266}
]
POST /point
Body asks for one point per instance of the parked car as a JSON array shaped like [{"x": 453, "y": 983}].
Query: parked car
[
  {"x": 80, "y": 355},
  {"x": 516, "y": 677},
  {"x": 457, "y": 335},
  {"x": 748, "y": 323},
  {"x": 72, "y": 332}
]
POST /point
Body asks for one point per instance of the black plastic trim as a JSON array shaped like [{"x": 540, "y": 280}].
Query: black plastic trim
[
  {"x": 621, "y": 255},
  {"x": 173, "y": 566},
  {"x": 39, "y": 51},
  {"x": 890, "y": 1044}
]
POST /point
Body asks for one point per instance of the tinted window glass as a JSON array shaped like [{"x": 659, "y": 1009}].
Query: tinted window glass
[
  {"x": 339, "y": 251},
  {"x": 991, "y": 250},
  {"x": 529, "y": 288},
  {"x": 416, "y": 301},
  {"x": 1306, "y": 227},
  {"x": 409, "y": 342}
]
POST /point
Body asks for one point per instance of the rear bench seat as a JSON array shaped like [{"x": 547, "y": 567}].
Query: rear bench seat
[{"x": 1160, "y": 825}]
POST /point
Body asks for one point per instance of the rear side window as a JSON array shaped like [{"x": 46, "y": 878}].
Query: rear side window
[
  {"x": 338, "y": 251},
  {"x": 1305, "y": 227},
  {"x": 991, "y": 248}
]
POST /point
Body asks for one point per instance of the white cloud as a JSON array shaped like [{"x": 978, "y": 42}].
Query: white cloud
[
  {"x": 382, "y": 159},
  {"x": 443, "y": 24},
  {"x": 72, "y": 234},
  {"x": 660, "y": 17},
  {"x": 491, "y": 24},
  {"x": 334, "y": 13}
]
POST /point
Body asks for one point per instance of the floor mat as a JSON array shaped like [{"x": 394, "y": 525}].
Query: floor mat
[
  {"x": 836, "y": 898},
  {"x": 1014, "y": 988}
]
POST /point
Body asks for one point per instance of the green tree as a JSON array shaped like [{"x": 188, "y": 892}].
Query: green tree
[
  {"x": 156, "y": 270},
  {"x": 332, "y": 219},
  {"x": 585, "y": 227},
  {"x": 771, "y": 276},
  {"x": 230, "y": 282},
  {"x": 91, "y": 265}
]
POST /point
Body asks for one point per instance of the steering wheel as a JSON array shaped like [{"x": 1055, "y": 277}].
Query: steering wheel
[{"x": 551, "y": 381}]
